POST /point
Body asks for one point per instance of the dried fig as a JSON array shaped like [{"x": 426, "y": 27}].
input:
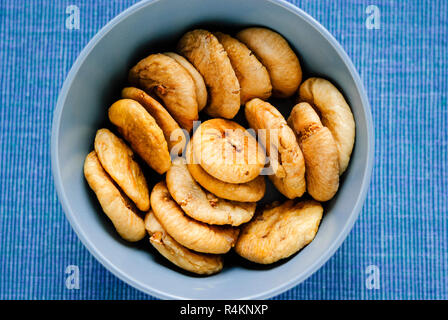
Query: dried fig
[
  {"x": 174, "y": 135},
  {"x": 280, "y": 231},
  {"x": 252, "y": 75},
  {"x": 208, "y": 56},
  {"x": 225, "y": 150},
  {"x": 162, "y": 75},
  {"x": 277, "y": 56},
  {"x": 251, "y": 191},
  {"x": 118, "y": 161},
  {"x": 200, "y": 263},
  {"x": 201, "y": 89},
  {"x": 281, "y": 146},
  {"x": 335, "y": 114},
  {"x": 201, "y": 205},
  {"x": 140, "y": 129},
  {"x": 188, "y": 232},
  {"x": 115, "y": 204},
  {"x": 319, "y": 150}
]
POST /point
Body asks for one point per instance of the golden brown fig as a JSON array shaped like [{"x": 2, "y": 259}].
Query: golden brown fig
[
  {"x": 279, "y": 231},
  {"x": 200, "y": 263},
  {"x": 208, "y": 56},
  {"x": 138, "y": 128},
  {"x": 201, "y": 89},
  {"x": 162, "y": 75},
  {"x": 252, "y": 75},
  {"x": 277, "y": 56},
  {"x": 251, "y": 191},
  {"x": 319, "y": 150},
  {"x": 335, "y": 114},
  {"x": 225, "y": 150},
  {"x": 281, "y": 146},
  {"x": 118, "y": 161},
  {"x": 188, "y": 232},
  {"x": 201, "y": 205},
  {"x": 174, "y": 135},
  {"x": 118, "y": 208}
]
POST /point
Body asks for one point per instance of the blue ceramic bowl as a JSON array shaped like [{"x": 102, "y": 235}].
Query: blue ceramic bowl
[{"x": 95, "y": 81}]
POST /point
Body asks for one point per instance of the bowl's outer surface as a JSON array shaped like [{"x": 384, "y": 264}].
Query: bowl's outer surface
[{"x": 95, "y": 81}]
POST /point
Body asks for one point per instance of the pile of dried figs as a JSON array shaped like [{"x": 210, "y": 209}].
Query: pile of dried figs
[{"x": 206, "y": 204}]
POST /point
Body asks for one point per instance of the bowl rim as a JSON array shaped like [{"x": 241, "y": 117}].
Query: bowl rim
[{"x": 122, "y": 275}]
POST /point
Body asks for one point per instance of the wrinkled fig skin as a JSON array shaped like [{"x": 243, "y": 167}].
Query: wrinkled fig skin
[
  {"x": 279, "y": 231},
  {"x": 335, "y": 114},
  {"x": 141, "y": 131},
  {"x": 226, "y": 151},
  {"x": 208, "y": 56},
  {"x": 201, "y": 89},
  {"x": 281, "y": 146},
  {"x": 204, "y": 206},
  {"x": 188, "y": 232},
  {"x": 163, "y": 76},
  {"x": 199, "y": 263},
  {"x": 117, "y": 159},
  {"x": 319, "y": 150},
  {"x": 114, "y": 203},
  {"x": 252, "y": 75},
  {"x": 174, "y": 135},
  {"x": 251, "y": 191},
  {"x": 277, "y": 56}
]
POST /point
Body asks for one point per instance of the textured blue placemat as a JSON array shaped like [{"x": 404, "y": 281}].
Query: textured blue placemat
[{"x": 402, "y": 231}]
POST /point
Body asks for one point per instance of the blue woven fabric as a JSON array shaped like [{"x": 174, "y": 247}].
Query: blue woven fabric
[{"x": 402, "y": 229}]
